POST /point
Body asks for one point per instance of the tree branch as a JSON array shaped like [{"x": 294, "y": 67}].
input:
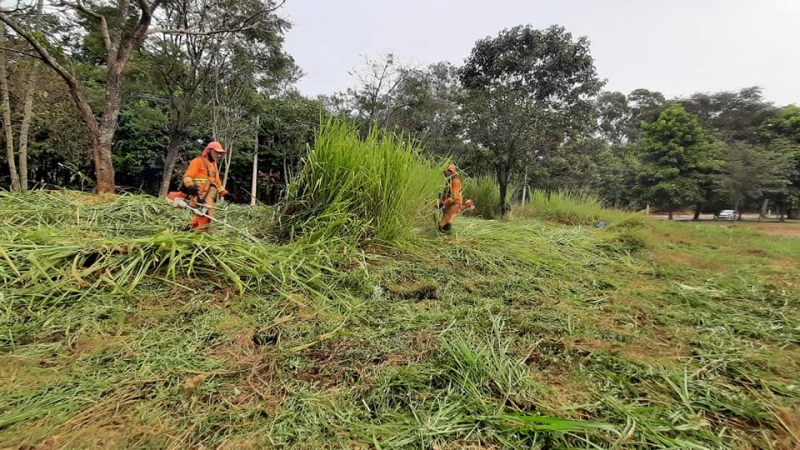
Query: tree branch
[
  {"x": 17, "y": 10},
  {"x": 194, "y": 30},
  {"x": 154, "y": 6},
  {"x": 20, "y": 52},
  {"x": 47, "y": 58},
  {"x": 147, "y": 13},
  {"x": 78, "y": 5},
  {"x": 140, "y": 32}
]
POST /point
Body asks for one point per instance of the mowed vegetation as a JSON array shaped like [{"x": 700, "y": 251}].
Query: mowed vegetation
[{"x": 540, "y": 331}]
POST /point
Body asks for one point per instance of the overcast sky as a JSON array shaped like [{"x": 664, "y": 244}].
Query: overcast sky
[{"x": 678, "y": 47}]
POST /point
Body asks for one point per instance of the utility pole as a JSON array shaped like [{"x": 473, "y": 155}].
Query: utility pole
[{"x": 254, "y": 183}]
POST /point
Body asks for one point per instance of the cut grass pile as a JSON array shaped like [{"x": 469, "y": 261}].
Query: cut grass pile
[{"x": 118, "y": 331}]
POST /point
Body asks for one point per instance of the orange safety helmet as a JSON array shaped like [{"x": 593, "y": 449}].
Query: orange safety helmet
[
  {"x": 451, "y": 168},
  {"x": 216, "y": 146}
]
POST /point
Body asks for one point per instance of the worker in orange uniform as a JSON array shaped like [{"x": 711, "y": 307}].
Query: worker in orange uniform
[
  {"x": 450, "y": 200},
  {"x": 202, "y": 185}
]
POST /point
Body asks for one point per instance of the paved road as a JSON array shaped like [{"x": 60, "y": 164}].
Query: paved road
[{"x": 747, "y": 217}]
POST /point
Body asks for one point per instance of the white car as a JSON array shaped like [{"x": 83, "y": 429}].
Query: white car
[{"x": 725, "y": 214}]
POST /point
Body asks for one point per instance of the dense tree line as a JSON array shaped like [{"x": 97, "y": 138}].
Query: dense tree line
[{"x": 118, "y": 95}]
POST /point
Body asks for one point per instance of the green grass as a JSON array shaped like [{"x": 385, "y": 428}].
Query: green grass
[
  {"x": 373, "y": 189},
  {"x": 536, "y": 332},
  {"x": 575, "y": 208},
  {"x": 485, "y": 192}
]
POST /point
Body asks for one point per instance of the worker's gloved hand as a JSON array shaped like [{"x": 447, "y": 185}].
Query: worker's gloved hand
[
  {"x": 192, "y": 190},
  {"x": 228, "y": 197}
]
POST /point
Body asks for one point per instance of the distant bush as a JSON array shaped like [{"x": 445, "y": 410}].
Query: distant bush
[{"x": 576, "y": 208}]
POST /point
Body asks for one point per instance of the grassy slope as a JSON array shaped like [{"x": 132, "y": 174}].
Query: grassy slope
[{"x": 505, "y": 334}]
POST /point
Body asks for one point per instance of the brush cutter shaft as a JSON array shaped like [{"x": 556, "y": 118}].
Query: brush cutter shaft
[{"x": 178, "y": 200}]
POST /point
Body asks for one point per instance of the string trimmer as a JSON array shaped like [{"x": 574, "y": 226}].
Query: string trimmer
[
  {"x": 178, "y": 200},
  {"x": 467, "y": 205}
]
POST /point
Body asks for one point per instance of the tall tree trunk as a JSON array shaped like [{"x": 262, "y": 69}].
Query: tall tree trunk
[
  {"x": 103, "y": 164},
  {"x": 12, "y": 165},
  {"x": 764, "y": 206},
  {"x": 669, "y": 211},
  {"x": 285, "y": 171},
  {"x": 227, "y": 158},
  {"x": 173, "y": 148},
  {"x": 502, "y": 181},
  {"x": 27, "y": 113},
  {"x": 80, "y": 101},
  {"x": 102, "y": 151},
  {"x": 525, "y": 185},
  {"x": 254, "y": 182},
  {"x": 120, "y": 44}
]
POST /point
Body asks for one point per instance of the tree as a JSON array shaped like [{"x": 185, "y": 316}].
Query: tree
[
  {"x": 527, "y": 89},
  {"x": 573, "y": 167},
  {"x": 616, "y": 182},
  {"x": 732, "y": 116},
  {"x": 422, "y": 103},
  {"x": 288, "y": 126},
  {"x": 177, "y": 72},
  {"x": 7, "y": 125},
  {"x": 614, "y": 117},
  {"x": 645, "y": 106},
  {"x": 124, "y": 26},
  {"x": 188, "y": 72},
  {"x": 677, "y": 159},
  {"x": 427, "y": 107},
  {"x": 784, "y": 125},
  {"x": 58, "y": 145},
  {"x": 372, "y": 100},
  {"x": 620, "y": 117},
  {"x": 782, "y": 131},
  {"x": 27, "y": 110},
  {"x": 749, "y": 171},
  {"x": 138, "y": 142}
]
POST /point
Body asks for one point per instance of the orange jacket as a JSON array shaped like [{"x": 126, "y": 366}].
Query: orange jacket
[
  {"x": 452, "y": 191},
  {"x": 204, "y": 173}
]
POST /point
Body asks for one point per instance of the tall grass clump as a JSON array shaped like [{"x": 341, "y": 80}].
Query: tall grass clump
[
  {"x": 373, "y": 188},
  {"x": 485, "y": 192},
  {"x": 574, "y": 208}
]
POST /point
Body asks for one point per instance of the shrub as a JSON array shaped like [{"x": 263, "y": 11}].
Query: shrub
[
  {"x": 372, "y": 188},
  {"x": 485, "y": 192},
  {"x": 575, "y": 208}
]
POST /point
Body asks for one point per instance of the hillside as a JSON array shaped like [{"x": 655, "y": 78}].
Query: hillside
[{"x": 118, "y": 330}]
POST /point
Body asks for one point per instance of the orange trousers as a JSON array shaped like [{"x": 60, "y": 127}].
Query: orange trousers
[
  {"x": 450, "y": 213},
  {"x": 200, "y": 223}
]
